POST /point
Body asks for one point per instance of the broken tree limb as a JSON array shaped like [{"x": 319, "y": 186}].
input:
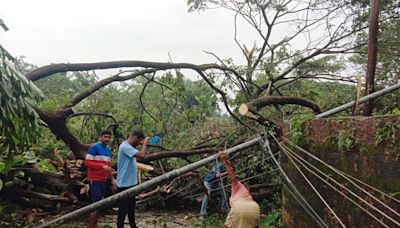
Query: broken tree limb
[
  {"x": 250, "y": 109},
  {"x": 32, "y": 194},
  {"x": 45, "y": 71},
  {"x": 113, "y": 200},
  {"x": 55, "y": 182}
]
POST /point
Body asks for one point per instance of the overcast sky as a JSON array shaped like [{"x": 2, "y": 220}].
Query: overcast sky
[{"x": 54, "y": 31}]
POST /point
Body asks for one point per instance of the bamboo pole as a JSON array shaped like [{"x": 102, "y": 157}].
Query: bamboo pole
[
  {"x": 362, "y": 100},
  {"x": 113, "y": 200}
]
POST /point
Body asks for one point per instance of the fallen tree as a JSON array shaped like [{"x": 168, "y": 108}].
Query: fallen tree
[{"x": 113, "y": 200}]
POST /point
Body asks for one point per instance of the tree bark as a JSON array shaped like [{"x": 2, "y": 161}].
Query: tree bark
[
  {"x": 32, "y": 194},
  {"x": 57, "y": 123},
  {"x": 45, "y": 71},
  {"x": 250, "y": 109},
  {"x": 52, "y": 181}
]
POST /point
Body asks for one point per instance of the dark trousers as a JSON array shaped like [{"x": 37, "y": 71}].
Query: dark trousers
[{"x": 126, "y": 207}]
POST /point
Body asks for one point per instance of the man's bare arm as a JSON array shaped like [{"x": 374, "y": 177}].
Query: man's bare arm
[
  {"x": 143, "y": 149},
  {"x": 224, "y": 159}
]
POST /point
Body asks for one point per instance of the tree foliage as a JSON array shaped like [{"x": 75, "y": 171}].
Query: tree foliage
[{"x": 19, "y": 125}]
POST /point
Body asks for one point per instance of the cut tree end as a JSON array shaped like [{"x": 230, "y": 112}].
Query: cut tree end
[{"x": 245, "y": 110}]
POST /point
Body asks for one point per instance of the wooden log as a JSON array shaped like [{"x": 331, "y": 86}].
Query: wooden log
[
  {"x": 32, "y": 194},
  {"x": 112, "y": 200},
  {"x": 52, "y": 181},
  {"x": 144, "y": 167},
  {"x": 32, "y": 202}
]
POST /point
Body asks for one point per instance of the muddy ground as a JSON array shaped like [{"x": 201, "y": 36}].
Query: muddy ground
[{"x": 157, "y": 219}]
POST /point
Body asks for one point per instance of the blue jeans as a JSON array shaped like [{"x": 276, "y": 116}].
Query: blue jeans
[{"x": 214, "y": 188}]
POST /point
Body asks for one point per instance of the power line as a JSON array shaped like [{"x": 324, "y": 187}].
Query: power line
[
  {"x": 343, "y": 187},
  {"x": 237, "y": 172},
  {"x": 338, "y": 191},
  {"x": 312, "y": 186},
  {"x": 297, "y": 195},
  {"x": 346, "y": 178},
  {"x": 243, "y": 180}
]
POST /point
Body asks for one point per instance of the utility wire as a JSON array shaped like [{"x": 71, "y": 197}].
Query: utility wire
[
  {"x": 345, "y": 177},
  {"x": 196, "y": 180},
  {"x": 299, "y": 197},
  {"x": 371, "y": 187},
  {"x": 239, "y": 171},
  {"x": 345, "y": 188},
  {"x": 312, "y": 186},
  {"x": 243, "y": 180},
  {"x": 298, "y": 158}
]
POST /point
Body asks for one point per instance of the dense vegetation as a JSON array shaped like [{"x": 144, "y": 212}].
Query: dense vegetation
[{"x": 198, "y": 116}]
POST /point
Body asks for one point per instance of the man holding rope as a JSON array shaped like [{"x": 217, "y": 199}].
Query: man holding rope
[
  {"x": 245, "y": 212},
  {"x": 214, "y": 186}
]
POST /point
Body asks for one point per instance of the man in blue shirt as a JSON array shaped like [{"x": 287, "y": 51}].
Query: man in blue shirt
[
  {"x": 213, "y": 185},
  {"x": 155, "y": 138},
  {"x": 127, "y": 173}
]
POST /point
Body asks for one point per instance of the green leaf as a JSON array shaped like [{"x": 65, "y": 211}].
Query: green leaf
[
  {"x": 2, "y": 167},
  {"x": 45, "y": 165}
]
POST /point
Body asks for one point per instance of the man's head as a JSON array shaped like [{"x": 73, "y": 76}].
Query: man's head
[
  {"x": 105, "y": 136},
  {"x": 136, "y": 138},
  {"x": 153, "y": 133}
]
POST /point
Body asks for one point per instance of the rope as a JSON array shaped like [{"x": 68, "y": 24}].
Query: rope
[
  {"x": 298, "y": 196},
  {"x": 198, "y": 179},
  {"x": 222, "y": 183},
  {"x": 342, "y": 186},
  {"x": 243, "y": 180},
  {"x": 239, "y": 171},
  {"x": 346, "y": 178}
]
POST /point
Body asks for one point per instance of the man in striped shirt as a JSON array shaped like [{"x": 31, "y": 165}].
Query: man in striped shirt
[{"x": 99, "y": 171}]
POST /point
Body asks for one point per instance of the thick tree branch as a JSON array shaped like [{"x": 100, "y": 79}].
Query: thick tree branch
[
  {"x": 250, "y": 109},
  {"x": 56, "y": 122},
  {"x": 45, "y": 71}
]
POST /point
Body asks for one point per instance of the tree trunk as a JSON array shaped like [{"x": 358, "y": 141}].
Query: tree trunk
[
  {"x": 56, "y": 122},
  {"x": 372, "y": 53}
]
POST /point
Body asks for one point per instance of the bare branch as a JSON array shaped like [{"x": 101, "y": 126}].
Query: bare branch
[
  {"x": 80, "y": 96},
  {"x": 91, "y": 114},
  {"x": 141, "y": 96}
]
